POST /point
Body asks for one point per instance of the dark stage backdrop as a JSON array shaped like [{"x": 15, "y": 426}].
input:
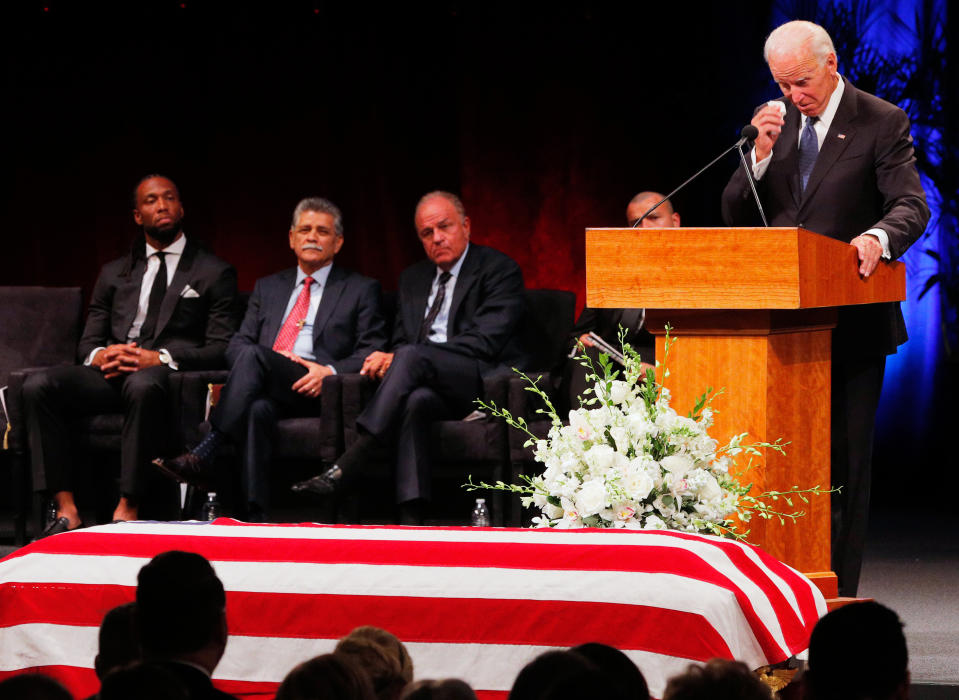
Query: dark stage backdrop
[{"x": 546, "y": 120}]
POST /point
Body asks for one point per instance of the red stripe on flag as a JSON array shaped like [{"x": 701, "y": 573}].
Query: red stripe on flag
[{"x": 433, "y": 620}]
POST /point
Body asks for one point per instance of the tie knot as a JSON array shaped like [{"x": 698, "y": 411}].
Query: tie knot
[
  {"x": 160, "y": 255},
  {"x": 445, "y": 277},
  {"x": 307, "y": 281}
]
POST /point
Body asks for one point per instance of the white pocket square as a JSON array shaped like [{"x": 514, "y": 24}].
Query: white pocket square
[{"x": 189, "y": 293}]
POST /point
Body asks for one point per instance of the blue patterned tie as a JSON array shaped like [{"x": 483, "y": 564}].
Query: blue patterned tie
[{"x": 808, "y": 150}]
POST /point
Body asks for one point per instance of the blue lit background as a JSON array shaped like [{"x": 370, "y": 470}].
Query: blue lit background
[{"x": 889, "y": 34}]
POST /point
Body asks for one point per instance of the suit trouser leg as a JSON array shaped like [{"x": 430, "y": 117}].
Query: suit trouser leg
[
  {"x": 449, "y": 381},
  {"x": 256, "y": 395},
  {"x": 52, "y": 397},
  {"x": 55, "y": 395},
  {"x": 145, "y": 397},
  {"x": 856, "y": 388}
]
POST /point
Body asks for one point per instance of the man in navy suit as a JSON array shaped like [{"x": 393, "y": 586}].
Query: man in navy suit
[
  {"x": 838, "y": 161},
  {"x": 301, "y": 325},
  {"x": 166, "y": 306},
  {"x": 457, "y": 319}
]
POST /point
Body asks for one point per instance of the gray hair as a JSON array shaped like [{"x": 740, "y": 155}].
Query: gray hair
[
  {"x": 322, "y": 206},
  {"x": 796, "y": 34},
  {"x": 448, "y": 196}
]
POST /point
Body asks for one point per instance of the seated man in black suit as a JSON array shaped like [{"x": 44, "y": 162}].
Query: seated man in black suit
[
  {"x": 181, "y": 620},
  {"x": 301, "y": 325},
  {"x": 166, "y": 306},
  {"x": 606, "y": 322},
  {"x": 457, "y": 319}
]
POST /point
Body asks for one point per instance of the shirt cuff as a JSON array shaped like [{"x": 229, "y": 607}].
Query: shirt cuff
[
  {"x": 93, "y": 353},
  {"x": 167, "y": 359},
  {"x": 332, "y": 368},
  {"x": 759, "y": 169},
  {"x": 883, "y": 241}
]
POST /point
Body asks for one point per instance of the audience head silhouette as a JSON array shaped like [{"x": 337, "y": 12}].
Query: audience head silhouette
[
  {"x": 448, "y": 689},
  {"x": 719, "y": 679},
  {"x": 618, "y": 668},
  {"x": 181, "y": 610},
  {"x": 558, "y": 675},
  {"x": 118, "y": 643},
  {"x": 382, "y": 656},
  {"x": 327, "y": 677},
  {"x": 33, "y": 686},
  {"x": 867, "y": 637}
]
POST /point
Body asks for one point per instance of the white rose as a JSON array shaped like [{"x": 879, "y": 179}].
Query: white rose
[
  {"x": 677, "y": 465},
  {"x": 591, "y": 498},
  {"x": 710, "y": 490},
  {"x": 600, "y": 458},
  {"x": 637, "y": 482}
]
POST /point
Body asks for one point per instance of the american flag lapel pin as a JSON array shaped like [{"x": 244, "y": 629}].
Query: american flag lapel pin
[{"x": 840, "y": 136}]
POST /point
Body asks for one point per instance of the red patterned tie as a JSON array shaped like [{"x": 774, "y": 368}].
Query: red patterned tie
[{"x": 286, "y": 338}]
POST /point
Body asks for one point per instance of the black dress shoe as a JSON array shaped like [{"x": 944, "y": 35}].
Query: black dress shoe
[
  {"x": 187, "y": 469},
  {"x": 59, "y": 525},
  {"x": 321, "y": 484}
]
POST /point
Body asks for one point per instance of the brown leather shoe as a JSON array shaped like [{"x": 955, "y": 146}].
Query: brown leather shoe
[{"x": 187, "y": 469}]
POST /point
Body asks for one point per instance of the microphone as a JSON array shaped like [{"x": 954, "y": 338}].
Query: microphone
[{"x": 747, "y": 133}]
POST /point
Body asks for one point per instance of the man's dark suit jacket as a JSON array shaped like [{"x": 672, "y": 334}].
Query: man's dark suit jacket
[
  {"x": 194, "y": 328},
  {"x": 347, "y": 327},
  {"x": 488, "y": 305},
  {"x": 195, "y": 323},
  {"x": 864, "y": 177}
]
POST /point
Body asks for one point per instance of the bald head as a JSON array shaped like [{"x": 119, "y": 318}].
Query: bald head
[{"x": 663, "y": 217}]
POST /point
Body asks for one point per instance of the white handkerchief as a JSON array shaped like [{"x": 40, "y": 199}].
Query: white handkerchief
[
  {"x": 189, "y": 293},
  {"x": 780, "y": 105}
]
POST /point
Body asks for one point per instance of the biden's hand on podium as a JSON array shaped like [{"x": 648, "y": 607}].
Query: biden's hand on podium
[{"x": 870, "y": 251}]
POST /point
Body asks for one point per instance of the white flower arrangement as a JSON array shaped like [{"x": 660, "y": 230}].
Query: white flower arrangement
[{"x": 626, "y": 459}]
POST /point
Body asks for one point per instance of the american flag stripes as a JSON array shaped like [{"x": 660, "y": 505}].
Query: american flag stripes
[{"x": 471, "y": 603}]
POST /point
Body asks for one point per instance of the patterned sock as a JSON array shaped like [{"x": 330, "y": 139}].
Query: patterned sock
[{"x": 207, "y": 448}]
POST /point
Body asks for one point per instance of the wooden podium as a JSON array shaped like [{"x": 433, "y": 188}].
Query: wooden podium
[{"x": 753, "y": 311}]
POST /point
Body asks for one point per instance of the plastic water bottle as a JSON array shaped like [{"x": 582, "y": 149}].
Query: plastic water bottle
[
  {"x": 480, "y": 515},
  {"x": 211, "y": 509}
]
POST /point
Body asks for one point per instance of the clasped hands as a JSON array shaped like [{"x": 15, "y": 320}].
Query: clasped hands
[{"x": 124, "y": 358}]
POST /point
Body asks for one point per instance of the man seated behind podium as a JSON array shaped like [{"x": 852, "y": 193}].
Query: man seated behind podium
[
  {"x": 302, "y": 324},
  {"x": 457, "y": 319},
  {"x": 606, "y": 322},
  {"x": 166, "y": 306}
]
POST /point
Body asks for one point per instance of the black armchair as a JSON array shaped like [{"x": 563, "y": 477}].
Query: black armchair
[
  {"x": 40, "y": 327},
  {"x": 480, "y": 448},
  {"x": 550, "y": 323}
]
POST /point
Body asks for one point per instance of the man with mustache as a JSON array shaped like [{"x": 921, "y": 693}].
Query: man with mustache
[
  {"x": 457, "y": 317},
  {"x": 302, "y": 325},
  {"x": 165, "y": 307}
]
